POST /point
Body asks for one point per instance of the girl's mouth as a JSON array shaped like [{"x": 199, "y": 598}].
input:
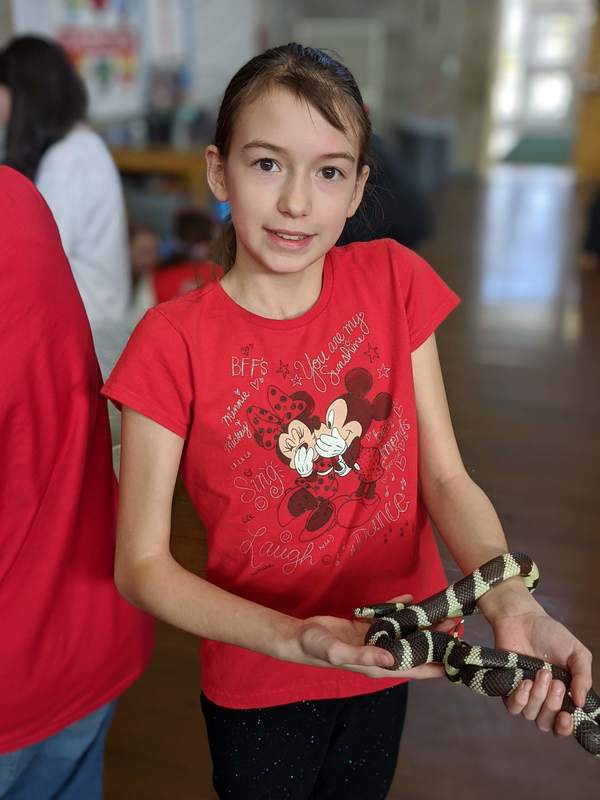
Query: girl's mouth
[{"x": 290, "y": 240}]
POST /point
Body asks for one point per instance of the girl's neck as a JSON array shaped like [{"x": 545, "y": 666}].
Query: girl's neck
[{"x": 275, "y": 295}]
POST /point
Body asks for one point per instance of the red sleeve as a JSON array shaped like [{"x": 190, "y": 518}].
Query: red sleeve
[
  {"x": 153, "y": 376},
  {"x": 427, "y": 299}
]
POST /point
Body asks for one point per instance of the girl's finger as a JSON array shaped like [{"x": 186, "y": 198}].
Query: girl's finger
[
  {"x": 563, "y": 725},
  {"x": 547, "y": 718},
  {"x": 423, "y": 672},
  {"x": 538, "y": 694},
  {"x": 340, "y": 654},
  {"x": 516, "y": 702},
  {"x": 580, "y": 667}
]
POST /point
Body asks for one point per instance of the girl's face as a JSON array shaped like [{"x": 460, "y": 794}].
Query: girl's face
[
  {"x": 291, "y": 180},
  {"x": 5, "y": 104}
]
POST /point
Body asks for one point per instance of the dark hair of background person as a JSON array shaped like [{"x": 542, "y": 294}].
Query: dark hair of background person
[
  {"x": 311, "y": 75},
  {"x": 193, "y": 225},
  {"x": 395, "y": 207},
  {"x": 48, "y": 98}
]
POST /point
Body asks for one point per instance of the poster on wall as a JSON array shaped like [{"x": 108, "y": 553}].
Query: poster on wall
[{"x": 103, "y": 38}]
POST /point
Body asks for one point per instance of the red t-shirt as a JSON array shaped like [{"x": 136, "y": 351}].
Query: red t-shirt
[
  {"x": 68, "y": 642},
  {"x": 173, "y": 281},
  {"x": 301, "y": 451}
]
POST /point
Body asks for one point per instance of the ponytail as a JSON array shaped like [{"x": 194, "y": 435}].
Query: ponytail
[{"x": 223, "y": 249}]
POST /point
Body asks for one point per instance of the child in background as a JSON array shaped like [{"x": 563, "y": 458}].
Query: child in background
[
  {"x": 144, "y": 248},
  {"x": 301, "y": 396},
  {"x": 144, "y": 254},
  {"x": 187, "y": 267}
]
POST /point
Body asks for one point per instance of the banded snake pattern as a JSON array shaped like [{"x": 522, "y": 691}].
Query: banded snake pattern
[{"x": 401, "y": 631}]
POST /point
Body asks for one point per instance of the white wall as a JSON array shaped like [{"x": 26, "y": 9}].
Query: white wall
[
  {"x": 222, "y": 36},
  {"x": 439, "y": 61},
  {"x": 6, "y": 21},
  {"x": 218, "y": 37}
]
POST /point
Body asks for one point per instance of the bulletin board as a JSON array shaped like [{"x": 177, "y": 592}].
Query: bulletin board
[{"x": 104, "y": 40}]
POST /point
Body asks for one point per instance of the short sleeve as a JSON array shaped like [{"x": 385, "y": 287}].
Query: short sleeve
[
  {"x": 428, "y": 300},
  {"x": 153, "y": 376}
]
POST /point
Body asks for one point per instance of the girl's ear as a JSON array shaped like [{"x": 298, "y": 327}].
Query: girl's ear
[
  {"x": 359, "y": 188},
  {"x": 215, "y": 173}
]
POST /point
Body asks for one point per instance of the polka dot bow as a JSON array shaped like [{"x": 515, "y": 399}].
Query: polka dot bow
[{"x": 269, "y": 425}]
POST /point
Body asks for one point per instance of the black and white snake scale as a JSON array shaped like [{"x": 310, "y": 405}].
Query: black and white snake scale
[{"x": 399, "y": 630}]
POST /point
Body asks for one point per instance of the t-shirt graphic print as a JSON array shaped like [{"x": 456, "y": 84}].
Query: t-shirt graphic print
[{"x": 328, "y": 474}]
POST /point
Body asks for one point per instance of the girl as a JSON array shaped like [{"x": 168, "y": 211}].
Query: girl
[
  {"x": 43, "y": 105},
  {"x": 302, "y": 398}
]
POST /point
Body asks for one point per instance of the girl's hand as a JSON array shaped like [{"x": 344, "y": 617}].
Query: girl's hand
[
  {"x": 531, "y": 631},
  {"x": 335, "y": 642}
]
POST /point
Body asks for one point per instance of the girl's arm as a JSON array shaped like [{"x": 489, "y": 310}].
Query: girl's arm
[
  {"x": 150, "y": 578},
  {"x": 462, "y": 512},
  {"x": 473, "y": 534}
]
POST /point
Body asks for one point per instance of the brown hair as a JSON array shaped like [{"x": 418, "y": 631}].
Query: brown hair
[{"x": 311, "y": 75}]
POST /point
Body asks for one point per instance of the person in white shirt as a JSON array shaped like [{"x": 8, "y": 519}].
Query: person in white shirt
[{"x": 43, "y": 106}]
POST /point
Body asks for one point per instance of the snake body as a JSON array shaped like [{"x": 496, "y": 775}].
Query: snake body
[{"x": 400, "y": 630}]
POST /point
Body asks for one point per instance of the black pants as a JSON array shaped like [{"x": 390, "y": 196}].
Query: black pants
[{"x": 312, "y": 750}]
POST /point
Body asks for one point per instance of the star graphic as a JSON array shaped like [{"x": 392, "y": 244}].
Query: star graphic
[
  {"x": 284, "y": 369},
  {"x": 372, "y": 353},
  {"x": 296, "y": 380},
  {"x": 383, "y": 371}
]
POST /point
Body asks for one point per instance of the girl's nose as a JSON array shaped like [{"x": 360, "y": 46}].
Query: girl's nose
[{"x": 294, "y": 200}]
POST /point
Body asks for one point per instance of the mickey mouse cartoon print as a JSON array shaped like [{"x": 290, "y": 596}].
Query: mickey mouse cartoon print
[
  {"x": 324, "y": 453},
  {"x": 348, "y": 419}
]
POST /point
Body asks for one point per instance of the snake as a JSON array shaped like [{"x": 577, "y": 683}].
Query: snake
[{"x": 402, "y": 631}]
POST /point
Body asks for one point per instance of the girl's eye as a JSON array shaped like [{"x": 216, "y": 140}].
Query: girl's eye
[
  {"x": 331, "y": 173},
  {"x": 266, "y": 165}
]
